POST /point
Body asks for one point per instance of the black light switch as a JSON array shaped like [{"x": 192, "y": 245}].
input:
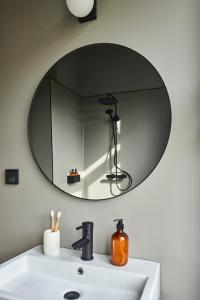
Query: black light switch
[{"x": 12, "y": 176}]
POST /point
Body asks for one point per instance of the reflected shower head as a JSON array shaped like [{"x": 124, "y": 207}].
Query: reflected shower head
[{"x": 108, "y": 100}]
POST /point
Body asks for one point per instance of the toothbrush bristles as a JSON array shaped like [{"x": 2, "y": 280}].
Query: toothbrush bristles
[
  {"x": 57, "y": 222},
  {"x": 52, "y": 220}
]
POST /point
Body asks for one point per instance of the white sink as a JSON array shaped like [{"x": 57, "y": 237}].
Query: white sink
[{"x": 33, "y": 276}]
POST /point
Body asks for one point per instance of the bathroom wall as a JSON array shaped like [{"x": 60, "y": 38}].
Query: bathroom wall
[
  {"x": 162, "y": 215},
  {"x": 67, "y": 138}
]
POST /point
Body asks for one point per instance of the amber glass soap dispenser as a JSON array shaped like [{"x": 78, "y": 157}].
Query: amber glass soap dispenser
[{"x": 119, "y": 245}]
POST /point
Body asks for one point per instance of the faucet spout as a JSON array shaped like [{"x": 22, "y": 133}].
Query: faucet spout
[{"x": 81, "y": 243}]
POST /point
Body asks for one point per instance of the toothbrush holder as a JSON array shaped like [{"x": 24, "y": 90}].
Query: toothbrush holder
[{"x": 51, "y": 243}]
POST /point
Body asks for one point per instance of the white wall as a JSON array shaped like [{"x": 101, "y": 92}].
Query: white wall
[
  {"x": 162, "y": 215},
  {"x": 67, "y": 138}
]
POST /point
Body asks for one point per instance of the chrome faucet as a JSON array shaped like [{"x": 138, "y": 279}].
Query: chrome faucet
[{"x": 86, "y": 242}]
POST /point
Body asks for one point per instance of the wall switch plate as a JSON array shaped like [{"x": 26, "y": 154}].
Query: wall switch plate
[{"x": 12, "y": 176}]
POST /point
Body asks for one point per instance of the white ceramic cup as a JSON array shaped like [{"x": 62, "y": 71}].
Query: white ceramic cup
[{"x": 51, "y": 243}]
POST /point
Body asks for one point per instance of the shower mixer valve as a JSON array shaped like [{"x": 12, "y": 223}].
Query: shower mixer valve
[{"x": 114, "y": 176}]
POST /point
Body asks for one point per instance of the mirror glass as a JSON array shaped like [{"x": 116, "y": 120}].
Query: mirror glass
[{"x": 99, "y": 121}]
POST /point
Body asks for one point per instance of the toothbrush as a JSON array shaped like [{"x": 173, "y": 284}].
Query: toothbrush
[
  {"x": 52, "y": 221},
  {"x": 57, "y": 222}
]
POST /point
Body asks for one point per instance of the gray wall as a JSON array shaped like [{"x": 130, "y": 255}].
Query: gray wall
[
  {"x": 67, "y": 138},
  {"x": 162, "y": 215}
]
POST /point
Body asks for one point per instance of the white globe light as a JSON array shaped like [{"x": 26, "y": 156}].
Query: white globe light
[{"x": 80, "y": 8}]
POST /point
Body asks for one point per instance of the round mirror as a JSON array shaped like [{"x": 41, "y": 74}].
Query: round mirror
[{"x": 99, "y": 121}]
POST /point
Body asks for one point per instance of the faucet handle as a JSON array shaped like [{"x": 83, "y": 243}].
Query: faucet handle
[
  {"x": 85, "y": 225},
  {"x": 79, "y": 227}
]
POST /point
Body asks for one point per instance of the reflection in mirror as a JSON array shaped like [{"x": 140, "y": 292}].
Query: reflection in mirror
[{"x": 99, "y": 121}]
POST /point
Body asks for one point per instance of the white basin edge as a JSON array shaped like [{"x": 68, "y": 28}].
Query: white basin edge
[{"x": 143, "y": 268}]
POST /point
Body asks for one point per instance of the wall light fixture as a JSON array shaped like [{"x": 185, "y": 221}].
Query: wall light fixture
[{"x": 85, "y": 10}]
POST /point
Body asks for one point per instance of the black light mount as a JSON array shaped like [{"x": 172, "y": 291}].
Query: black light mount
[{"x": 92, "y": 15}]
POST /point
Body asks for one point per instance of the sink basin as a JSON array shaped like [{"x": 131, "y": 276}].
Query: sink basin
[{"x": 34, "y": 276}]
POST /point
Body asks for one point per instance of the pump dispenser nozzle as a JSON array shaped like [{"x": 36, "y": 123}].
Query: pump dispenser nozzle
[{"x": 120, "y": 225}]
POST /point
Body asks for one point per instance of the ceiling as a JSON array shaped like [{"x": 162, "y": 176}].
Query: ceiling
[{"x": 101, "y": 68}]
